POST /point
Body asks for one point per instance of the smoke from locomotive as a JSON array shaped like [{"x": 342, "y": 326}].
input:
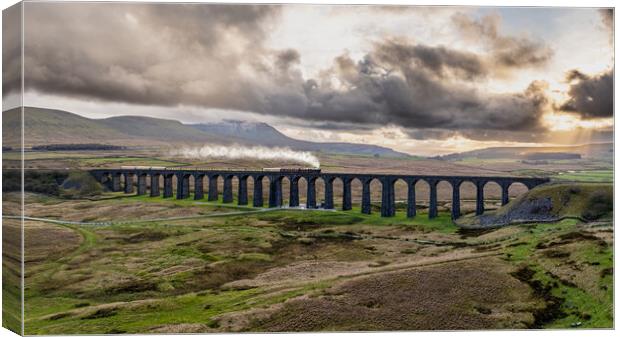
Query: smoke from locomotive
[{"x": 253, "y": 152}]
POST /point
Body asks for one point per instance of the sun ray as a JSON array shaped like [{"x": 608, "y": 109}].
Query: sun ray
[{"x": 556, "y": 121}]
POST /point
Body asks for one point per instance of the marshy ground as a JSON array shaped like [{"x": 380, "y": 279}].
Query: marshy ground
[{"x": 291, "y": 270}]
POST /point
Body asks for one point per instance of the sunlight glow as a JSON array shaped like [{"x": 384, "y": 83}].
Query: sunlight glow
[
  {"x": 395, "y": 138},
  {"x": 565, "y": 122}
]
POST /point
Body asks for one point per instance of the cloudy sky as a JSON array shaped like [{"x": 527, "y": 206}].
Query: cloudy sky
[{"x": 423, "y": 80}]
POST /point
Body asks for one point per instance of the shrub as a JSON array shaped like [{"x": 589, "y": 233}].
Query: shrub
[
  {"x": 76, "y": 147},
  {"x": 45, "y": 182},
  {"x": 80, "y": 184},
  {"x": 600, "y": 204}
]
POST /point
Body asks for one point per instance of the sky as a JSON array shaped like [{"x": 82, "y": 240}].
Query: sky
[{"x": 422, "y": 80}]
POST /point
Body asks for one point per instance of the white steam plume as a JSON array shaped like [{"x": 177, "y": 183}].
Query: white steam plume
[{"x": 243, "y": 152}]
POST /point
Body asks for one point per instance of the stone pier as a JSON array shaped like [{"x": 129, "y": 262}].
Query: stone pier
[
  {"x": 168, "y": 185},
  {"x": 329, "y": 193},
  {"x": 141, "y": 183},
  {"x": 456, "y": 200},
  {"x": 480, "y": 197},
  {"x": 411, "y": 210},
  {"x": 213, "y": 193},
  {"x": 275, "y": 191},
  {"x": 505, "y": 197},
  {"x": 311, "y": 194},
  {"x": 199, "y": 188},
  {"x": 258, "y": 191},
  {"x": 366, "y": 205},
  {"x": 116, "y": 182},
  {"x": 388, "y": 206},
  {"x": 242, "y": 193},
  {"x": 182, "y": 186},
  {"x": 155, "y": 184},
  {"x": 346, "y": 194},
  {"x": 293, "y": 200},
  {"x": 227, "y": 196},
  {"x": 128, "y": 182},
  {"x": 432, "y": 204}
]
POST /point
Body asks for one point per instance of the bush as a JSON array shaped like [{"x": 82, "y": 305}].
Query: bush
[
  {"x": 80, "y": 184},
  {"x": 76, "y": 147},
  {"x": 45, "y": 182},
  {"x": 600, "y": 204}
]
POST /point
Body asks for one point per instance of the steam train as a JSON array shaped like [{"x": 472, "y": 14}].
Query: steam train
[
  {"x": 292, "y": 170},
  {"x": 143, "y": 167},
  {"x": 266, "y": 169}
]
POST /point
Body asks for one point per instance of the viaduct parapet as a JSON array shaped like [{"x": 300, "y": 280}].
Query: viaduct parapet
[{"x": 113, "y": 178}]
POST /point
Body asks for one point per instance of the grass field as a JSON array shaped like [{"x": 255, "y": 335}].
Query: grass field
[
  {"x": 133, "y": 161},
  {"x": 292, "y": 270},
  {"x": 587, "y": 176},
  {"x": 143, "y": 265}
]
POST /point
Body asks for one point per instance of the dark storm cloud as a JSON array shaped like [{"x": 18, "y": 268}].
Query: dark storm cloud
[
  {"x": 575, "y": 74},
  {"x": 333, "y": 126},
  {"x": 213, "y": 56},
  {"x": 160, "y": 54},
  {"x": 11, "y": 49},
  {"x": 440, "y": 60},
  {"x": 505, "y": 51},
  {"x": 286, "y": 58},
  {"x": 590, "y": 96},
  {"x": 385, "y": 88},
  {"x": 479, "y": 135},
  {"x": 284, "y": 71}
]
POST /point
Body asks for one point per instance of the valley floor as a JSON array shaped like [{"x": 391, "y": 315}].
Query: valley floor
[{"x": 146, "y": 265}]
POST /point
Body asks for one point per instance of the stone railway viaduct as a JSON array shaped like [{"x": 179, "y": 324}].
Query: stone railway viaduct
[{"x": 112, "y": 179}]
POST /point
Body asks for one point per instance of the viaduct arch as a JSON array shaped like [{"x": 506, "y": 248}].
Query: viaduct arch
[{"x": 112, "y": 179}]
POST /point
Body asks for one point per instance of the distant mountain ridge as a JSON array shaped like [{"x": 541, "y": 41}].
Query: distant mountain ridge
[
  {"x": 594, "y": 150},
  {"x": 267, "y": 135},
  {"x": 244, "y": 130},
  {"x": 49, "y": 126}
]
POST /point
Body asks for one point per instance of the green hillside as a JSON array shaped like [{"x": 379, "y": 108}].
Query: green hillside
[
  {"x": 155, "y": 128},
  {"x": 593, "y": 150},
  {"x": 551, "y": 202},
  {"x": 47, "y": 126},
  {"x": 587, "y": 201}
]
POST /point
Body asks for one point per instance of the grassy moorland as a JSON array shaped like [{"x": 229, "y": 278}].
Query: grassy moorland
[
  {"x": 11, "y": 275},
  {"x": 167, "y": 265},
  {"x": 137, "y": 264},
  {"x": 587, "y": 175}
]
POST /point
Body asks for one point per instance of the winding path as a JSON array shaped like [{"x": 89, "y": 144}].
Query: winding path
[{"x": 109, "y": 223}]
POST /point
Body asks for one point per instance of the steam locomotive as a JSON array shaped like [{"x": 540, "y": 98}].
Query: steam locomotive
[
  {"x": 291, "y": 170},
  {"x": 143, "y": 167}
]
